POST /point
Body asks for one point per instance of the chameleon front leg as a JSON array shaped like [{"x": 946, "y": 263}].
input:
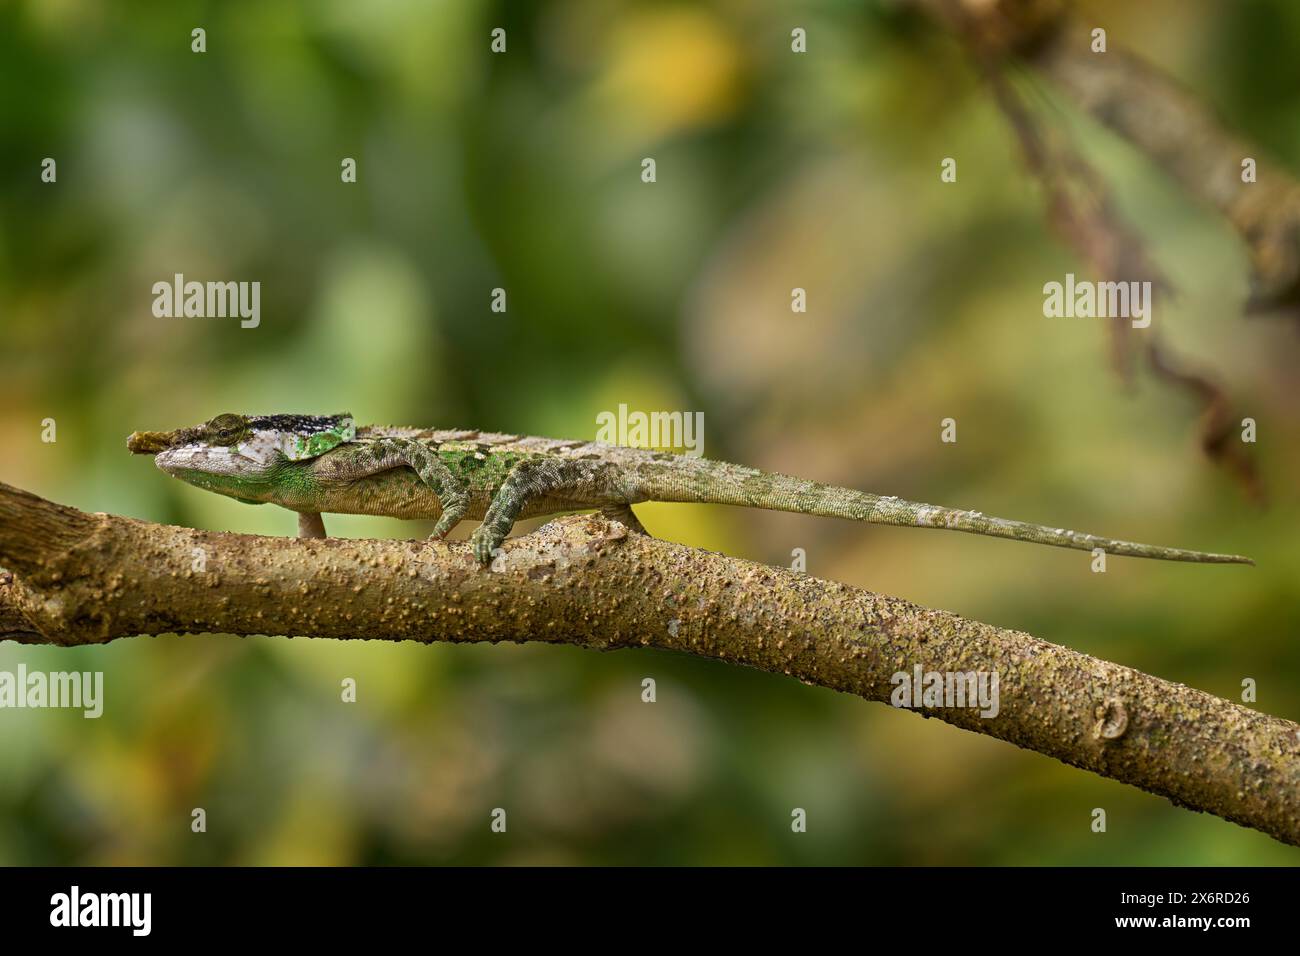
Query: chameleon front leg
[
  {"x": 452, "y": 491},
  {"x": 311, "y": 525},
  {"x": 388, "y": 453}
]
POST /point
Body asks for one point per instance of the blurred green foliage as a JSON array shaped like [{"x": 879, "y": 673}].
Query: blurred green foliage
[{"x": 522, "y": 171}]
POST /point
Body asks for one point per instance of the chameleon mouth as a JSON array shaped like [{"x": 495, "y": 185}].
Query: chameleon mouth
[
  {"x": 149, "y": 443},
  {"x": 198, "y": 463}
]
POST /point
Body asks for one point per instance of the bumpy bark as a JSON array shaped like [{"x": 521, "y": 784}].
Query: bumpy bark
[{"x": 586, "y": 580}]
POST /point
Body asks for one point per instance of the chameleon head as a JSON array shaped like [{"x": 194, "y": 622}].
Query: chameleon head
[{"x": 241, "y": 455}]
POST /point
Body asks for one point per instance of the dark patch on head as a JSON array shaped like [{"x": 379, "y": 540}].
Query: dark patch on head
[
  {"x": 229, "y": 429},
  {"x": 296, "y": 423}
]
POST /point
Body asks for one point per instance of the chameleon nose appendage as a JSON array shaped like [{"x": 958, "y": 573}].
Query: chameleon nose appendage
[{"x": 148, "y": 443}]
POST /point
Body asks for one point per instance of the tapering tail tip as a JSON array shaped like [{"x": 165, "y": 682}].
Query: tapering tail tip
[{"x": 1208, "y": 557}]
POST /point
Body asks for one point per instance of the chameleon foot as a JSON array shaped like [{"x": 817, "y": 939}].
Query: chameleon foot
[
  {"x": 624, "y": 515},
  {"x": 483, "y": 543},
  {"x": 454, "y": 505}
]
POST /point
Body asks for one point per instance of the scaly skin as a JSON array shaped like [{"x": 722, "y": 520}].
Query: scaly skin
[{"x": 317, "y": 464}]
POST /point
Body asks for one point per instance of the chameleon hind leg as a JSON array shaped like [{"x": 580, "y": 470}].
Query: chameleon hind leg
[
  {"x": 311, "y": 525},
  {"x": 531, "y": 479}
]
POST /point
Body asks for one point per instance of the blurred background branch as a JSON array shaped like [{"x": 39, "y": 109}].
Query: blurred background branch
[
  {"x": 1158, "y": 115},
  {"x": 1176, "y": 131}
]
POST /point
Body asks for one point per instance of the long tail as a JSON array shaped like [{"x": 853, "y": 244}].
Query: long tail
[{"x": 702, "y": 481}]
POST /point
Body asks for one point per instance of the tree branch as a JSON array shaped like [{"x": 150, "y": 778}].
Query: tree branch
[{"x": 588, "y": 581}]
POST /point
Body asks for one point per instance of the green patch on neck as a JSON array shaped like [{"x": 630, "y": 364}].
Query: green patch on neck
[{"x": 300, "y": 446}]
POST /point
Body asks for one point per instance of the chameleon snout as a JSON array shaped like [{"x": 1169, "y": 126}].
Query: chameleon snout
[{"x": 149, "y": 443}]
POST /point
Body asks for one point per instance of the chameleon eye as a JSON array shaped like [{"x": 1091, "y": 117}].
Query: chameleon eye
[{"x": 226, "y": 429}]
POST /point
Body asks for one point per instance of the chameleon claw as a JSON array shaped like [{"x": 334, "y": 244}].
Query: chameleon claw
[
  {"x": 452, "y": 512},
  {"x": 483, "y": 546},
  {"x": 625, "y": 516}
]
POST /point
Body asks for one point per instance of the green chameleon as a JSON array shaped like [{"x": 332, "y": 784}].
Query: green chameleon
[{"x": 314, "y": 464}]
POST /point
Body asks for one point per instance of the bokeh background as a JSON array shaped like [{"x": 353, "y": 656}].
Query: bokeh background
[{"x": 522, "y": 171}]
